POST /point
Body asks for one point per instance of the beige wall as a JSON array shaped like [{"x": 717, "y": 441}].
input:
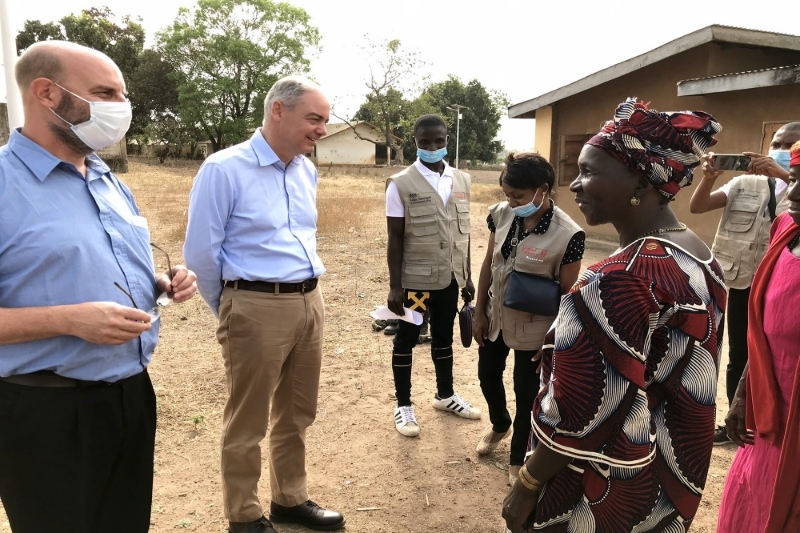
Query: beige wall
[
  {"x": 116, "y": 156},
  {"x": 727, "y": 59},
  {"x": 741, "y": 114},
  {"x": 542, "y": 141},
  {"x": 345, "y": 149}
]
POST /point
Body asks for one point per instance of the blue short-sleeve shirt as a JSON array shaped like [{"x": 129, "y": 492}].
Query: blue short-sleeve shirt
[{"x": 66, "y": 240}]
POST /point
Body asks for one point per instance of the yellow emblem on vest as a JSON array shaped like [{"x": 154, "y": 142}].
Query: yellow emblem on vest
[{"x": 418, "y": 300}]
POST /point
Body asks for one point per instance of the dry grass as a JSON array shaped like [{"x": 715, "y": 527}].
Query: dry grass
[{"x": 162, "y": 193}]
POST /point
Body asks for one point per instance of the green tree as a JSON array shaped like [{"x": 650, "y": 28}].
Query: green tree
[
  {"x": 34, "y": 31},
  {"x": 479, "y": 124},
  {"x": 153, "y": 91},
  {"x": 394, "y": 73},
  {"x": 228, "y": 53},
  {"x": 121, "y": 38}
]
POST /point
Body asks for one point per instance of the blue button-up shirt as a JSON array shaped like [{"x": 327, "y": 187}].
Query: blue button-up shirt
[
  {"x": 252, "y": 218},
  {"x": 66, "y": 240}
]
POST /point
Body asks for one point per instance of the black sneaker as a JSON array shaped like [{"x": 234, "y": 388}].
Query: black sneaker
[
  {"x": 391, "y": 328},
  {"x": 423, "y": 334},
  {"x": 721, "y": 436}
]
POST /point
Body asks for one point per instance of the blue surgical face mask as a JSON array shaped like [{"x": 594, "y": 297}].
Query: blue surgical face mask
[
  {"x": 529, "y": 209},
  {"x": 428, "y": 156},
  {"x": 782, "y": 157}
]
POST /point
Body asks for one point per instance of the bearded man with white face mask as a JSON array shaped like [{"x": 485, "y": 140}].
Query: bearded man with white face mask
[
  {"x": 77, "y": 408},
  {"x": 427, "y": 214},
  {"x": 750, "y": 203}
]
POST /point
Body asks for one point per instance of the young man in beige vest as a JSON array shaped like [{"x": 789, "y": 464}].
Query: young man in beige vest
[
  {"x": 427, "y": 213},
  {"x": 750, "y": 202}
]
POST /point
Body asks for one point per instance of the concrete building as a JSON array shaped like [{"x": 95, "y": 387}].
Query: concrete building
[
  {"x": 341, "y": 146},
  {"x": 747, "y": 79}
]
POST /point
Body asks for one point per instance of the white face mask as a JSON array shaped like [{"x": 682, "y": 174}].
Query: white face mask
[{"x": 107, "y": 125}]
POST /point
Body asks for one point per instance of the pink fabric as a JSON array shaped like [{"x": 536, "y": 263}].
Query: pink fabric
[{"x": 749, "y": 487}]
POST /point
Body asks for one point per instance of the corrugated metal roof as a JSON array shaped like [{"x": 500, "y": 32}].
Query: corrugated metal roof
[
  {"x": 740, "y": 73},
  {"x": 715, "y": 33}
]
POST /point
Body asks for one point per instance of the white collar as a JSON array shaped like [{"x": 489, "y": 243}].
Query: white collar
[{"x": 425, "y": 171}]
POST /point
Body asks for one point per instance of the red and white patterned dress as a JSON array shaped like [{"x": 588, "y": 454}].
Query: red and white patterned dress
[{"x": 629, "y": 385}]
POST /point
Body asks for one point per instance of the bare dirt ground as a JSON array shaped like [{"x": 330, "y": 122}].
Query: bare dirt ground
[{"x": 356, "y": 459}]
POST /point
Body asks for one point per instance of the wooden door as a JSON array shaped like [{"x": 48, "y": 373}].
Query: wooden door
[{"x": 570, "y": 149}]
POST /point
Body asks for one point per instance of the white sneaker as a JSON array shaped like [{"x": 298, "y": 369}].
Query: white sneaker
[
  {"x": 454, "y": 404},
  {"x": 405, "y": 421}
]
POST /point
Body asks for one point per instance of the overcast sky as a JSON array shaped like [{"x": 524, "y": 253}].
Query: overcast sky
[{"x": 523, "y": 47}]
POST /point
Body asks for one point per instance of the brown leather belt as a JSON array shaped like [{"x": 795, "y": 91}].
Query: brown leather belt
[
  {"x": 49, "y": 379},
  {"x": 275, "y": 288}
]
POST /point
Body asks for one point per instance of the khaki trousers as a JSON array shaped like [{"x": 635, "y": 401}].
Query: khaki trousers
[{"x": 272, "y": 348}]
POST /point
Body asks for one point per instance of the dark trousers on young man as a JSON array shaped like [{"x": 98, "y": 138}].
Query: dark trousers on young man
[
  {"x": 491, "y": 366},
  {"x": 443, "y": 307},
  {"x": 77, "y": 458},
  {"x": 737, "y": 339}
]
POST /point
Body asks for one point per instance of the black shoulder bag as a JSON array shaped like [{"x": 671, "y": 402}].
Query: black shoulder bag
[{"x": 530, "y": 293}]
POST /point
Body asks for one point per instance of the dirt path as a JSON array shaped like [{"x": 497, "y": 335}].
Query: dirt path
[{"x": 356, "y": 459}]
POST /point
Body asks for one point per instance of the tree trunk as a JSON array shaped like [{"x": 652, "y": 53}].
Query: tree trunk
[
  {"x": 388, "y": 138},
  {"x": 398, "y": 155}
]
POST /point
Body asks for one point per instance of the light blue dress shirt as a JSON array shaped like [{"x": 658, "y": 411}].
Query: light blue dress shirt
[
  {"x": 66, "y": 240},
  {"x": 252, "y": 218}
]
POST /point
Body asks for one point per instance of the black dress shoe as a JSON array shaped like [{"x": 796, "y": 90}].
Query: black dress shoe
[
  {"x": 261, "y": 525},
  {"x": 307, "y": 514}
]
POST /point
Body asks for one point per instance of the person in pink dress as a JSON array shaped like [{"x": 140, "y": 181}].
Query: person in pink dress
[{"x": 762, "y": 491}]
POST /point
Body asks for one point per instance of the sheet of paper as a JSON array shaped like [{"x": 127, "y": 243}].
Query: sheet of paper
[{"x": 383, "y": 313}]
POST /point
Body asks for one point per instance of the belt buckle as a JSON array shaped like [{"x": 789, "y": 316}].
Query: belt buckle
[{"x": 306, "y": 285}]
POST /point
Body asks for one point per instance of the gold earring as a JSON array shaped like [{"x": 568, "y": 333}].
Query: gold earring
[{"x": 635, "y": 200}]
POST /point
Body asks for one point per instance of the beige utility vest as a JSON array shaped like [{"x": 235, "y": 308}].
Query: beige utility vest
[
  {"x": 743, "y": 234},
  {"x": 536, "y": 254},
  {"x": 436, "y": 239}
]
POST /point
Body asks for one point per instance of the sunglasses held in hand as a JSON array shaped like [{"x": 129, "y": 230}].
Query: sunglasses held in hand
[{"x": 163, "y": 299}]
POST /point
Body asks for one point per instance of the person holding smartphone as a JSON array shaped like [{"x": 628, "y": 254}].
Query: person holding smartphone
[{"x": 750, "y": 202}]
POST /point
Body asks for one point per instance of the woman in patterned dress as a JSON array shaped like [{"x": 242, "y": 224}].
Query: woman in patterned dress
[
  {"x": 623, "y": 426},
  {"x": 762, "y": 490}
]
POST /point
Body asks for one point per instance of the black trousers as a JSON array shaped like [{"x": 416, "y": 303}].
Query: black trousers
[
  {"x": 737, "y": 339},
  {"x": 78, "y": 459},
  {"x": 443, "y": 307},
  {"x": 491, "y": 365}
]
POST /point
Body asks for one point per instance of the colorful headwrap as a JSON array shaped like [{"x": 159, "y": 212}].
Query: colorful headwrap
[
  {"x": 663, "y": 146},
  {"x": 795, "y": 151}
]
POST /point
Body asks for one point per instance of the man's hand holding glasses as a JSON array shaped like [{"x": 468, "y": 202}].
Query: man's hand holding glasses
[{"x": 178, "y": 282}]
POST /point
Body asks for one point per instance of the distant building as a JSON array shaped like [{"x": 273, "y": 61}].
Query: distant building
[
  {"x": 341, "y": 146},
  {"x": 747, "y": 79}
]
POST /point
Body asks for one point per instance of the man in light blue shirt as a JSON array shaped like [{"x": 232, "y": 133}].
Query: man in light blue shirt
[
  {"x": 77, "y": 409},
  {"x": 252, "y": 241},
  {"x": 252, "y": 217}
]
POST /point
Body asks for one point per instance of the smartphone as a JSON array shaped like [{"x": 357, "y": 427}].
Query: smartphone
[{"x": 735, "y": 162}]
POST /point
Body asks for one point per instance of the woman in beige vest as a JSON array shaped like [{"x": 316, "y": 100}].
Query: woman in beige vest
[{"x": 529, "y": 234}]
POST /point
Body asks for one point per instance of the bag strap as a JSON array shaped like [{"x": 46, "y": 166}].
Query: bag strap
[
  {"x": 772, "y": 204},
  {"x": 515, "y": 242}
]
